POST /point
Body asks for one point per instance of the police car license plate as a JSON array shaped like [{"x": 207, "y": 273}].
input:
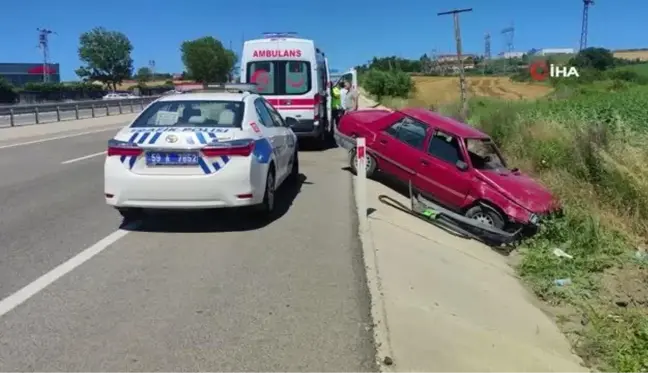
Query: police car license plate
[{"x": 171, "y": 158}]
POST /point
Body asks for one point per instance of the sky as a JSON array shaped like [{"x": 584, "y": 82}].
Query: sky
[{"x": 350, "y": 32}]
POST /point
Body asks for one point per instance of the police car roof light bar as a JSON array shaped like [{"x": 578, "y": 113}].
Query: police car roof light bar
[
  {"x": 280, "y": 34},
  {"x": 229, "y": 87}
]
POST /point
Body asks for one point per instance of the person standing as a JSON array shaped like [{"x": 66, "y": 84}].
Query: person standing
[
  {"x": 343, "y": 93},
  {"x": 350, "y": 101},
  {"x": 336, "y": 103}
]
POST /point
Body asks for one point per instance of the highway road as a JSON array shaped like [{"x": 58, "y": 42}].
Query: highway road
[
  {"x": 50, "y": 116},
  {"x": 180, "y": 292}
]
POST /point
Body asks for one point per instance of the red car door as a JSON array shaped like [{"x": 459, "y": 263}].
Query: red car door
[
  {"x": 442, "y": 172},
  {"x": 400, "y": 147}
]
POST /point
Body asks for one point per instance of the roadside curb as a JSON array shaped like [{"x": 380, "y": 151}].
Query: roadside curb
[{"x": 380, "y": 326}]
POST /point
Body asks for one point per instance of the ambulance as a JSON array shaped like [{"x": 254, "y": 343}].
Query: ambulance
[{"x": 293, "y": 75}]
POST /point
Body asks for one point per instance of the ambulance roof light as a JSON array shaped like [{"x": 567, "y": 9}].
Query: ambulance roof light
[{"x": 280, "y": 34}]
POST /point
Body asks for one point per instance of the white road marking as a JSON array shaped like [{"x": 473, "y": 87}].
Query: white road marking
[
  {"x": 19, "y": 297},
  {"x": 59, "y": 137},
  {"x": 82, "y": 158}
]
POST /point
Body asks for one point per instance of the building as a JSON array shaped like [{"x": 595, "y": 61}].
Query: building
[
  {"x": 551, "y": 51},
  {"x": 444, "y": 58},
  {"x": 19, "y": 74},
  {"x": 511, "y": 55}
]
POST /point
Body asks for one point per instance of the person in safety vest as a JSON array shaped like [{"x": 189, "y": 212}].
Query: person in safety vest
[{"x": 336, "y": 103}]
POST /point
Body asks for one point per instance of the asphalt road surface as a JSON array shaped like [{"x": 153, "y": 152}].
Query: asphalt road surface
[
  {"x": 50, "y": 116},
  {"x": 180, "y": 292}
]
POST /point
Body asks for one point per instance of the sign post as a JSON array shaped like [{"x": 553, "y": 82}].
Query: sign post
[{"x": 361, "y": 182}]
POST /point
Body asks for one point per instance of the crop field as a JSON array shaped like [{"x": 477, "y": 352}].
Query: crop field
[
  {"x": 435, "y": 91},
  {"x": 632, "y": 54}
]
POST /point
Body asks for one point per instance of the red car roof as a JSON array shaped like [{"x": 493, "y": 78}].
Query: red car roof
[{"x": 449, "y": 125}]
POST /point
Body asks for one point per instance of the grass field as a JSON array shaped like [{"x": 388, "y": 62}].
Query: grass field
[
  {"x": 587, "y": 144},
  {"x": 437, "y": 91}
]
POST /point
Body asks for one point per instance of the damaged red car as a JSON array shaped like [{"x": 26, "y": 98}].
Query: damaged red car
[{"x": 448, "y": 162}]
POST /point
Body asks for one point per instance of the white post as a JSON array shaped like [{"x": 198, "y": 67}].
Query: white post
[{"x": 361, "y": 182}]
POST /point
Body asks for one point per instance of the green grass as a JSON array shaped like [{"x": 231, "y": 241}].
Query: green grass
[
  {"x": 588, "y": 144},
  {"x": 641, "y": 69}
]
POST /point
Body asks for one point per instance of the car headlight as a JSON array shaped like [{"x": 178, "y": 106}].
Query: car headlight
[{"x": 534, "y": 219}]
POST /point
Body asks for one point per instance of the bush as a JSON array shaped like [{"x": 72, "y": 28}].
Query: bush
[
  {"x": 8, "y": 94},
  {"x": 388, "y": 83},
  {"x": 628, "y": 76}
]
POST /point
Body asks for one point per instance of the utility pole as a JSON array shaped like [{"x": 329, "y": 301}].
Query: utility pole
[
  {"x": 43, "y": 44},
  {"x": 151, "y": 64},
  {"x": 487, "y": 52},
  {"x": 583, "y": 40},
  {"x": 462, "y": 73},
  {"x": 509, "y": 35}
]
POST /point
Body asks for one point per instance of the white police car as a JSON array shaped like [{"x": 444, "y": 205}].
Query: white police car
[{"x": 223, "y": 146}]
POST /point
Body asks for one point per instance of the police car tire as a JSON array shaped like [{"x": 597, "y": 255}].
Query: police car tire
[
  {"x": 294, "y": 170},
  {"x": 130, "y": 214},
  {"x": 265, "y": 208}
]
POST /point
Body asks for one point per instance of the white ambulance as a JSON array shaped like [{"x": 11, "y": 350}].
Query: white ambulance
[{"x": 293, "y": 75}]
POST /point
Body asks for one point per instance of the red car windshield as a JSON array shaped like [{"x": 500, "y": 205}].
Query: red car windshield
[{"x": 484, "y": 154}]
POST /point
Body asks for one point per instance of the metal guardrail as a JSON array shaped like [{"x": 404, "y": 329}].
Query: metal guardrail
[{"x": 19, "y": 115}]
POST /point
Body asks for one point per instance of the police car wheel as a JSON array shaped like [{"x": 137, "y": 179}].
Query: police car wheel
[
  {"x": 268, "y": 204},
  {"x": 294, "y": 170},
  {"x": 130, "y": 214}
]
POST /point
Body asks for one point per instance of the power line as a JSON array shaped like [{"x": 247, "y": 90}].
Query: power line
[{"x": 462, "y": 73}]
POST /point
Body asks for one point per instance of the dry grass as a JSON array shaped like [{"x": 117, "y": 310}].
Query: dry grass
[
  {"x": 436, "y": 91},
  {"x": 632, "y": 55}
]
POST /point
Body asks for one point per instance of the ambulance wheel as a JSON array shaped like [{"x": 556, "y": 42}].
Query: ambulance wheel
[{"x": 323, "y": 139}]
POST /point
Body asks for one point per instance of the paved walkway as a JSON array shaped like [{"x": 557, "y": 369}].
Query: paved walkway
[{"x": 443, "y": 303}]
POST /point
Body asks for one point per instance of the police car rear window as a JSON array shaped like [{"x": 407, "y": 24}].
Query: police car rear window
[
  {"x": 280, "y": 77},
  {"x": 195, "y": 113}
]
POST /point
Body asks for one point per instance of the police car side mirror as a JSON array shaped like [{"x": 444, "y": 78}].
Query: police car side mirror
[{"x": 291, "y": 122}]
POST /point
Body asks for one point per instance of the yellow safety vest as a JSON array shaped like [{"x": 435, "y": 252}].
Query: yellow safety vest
[{"x": 336, "y": 102}]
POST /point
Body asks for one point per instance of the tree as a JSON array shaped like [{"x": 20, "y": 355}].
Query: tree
[
  {"x": 106, "y": 55},
  {"x": 143, "y": 75},
  {"x": 7, "y": 92},
  {"x": 597, "y": 58},
  {"x": 206, "y": 60}
]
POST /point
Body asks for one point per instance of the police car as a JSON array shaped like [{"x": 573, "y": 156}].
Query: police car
[{"x": 222, "y": 146}]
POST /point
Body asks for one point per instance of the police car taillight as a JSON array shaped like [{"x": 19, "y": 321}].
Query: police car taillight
[
  {"x": 123, "y": 149},
  {"x": 241, "y": 148}
]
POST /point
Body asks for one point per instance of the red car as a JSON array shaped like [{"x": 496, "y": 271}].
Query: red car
[{"x": 448, "y": 162}]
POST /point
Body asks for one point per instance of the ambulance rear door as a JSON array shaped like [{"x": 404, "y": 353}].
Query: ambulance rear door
[{"x": 285, "y": 72}]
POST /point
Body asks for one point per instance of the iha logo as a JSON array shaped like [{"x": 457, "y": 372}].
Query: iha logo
[{"x": 541, "y": 70}]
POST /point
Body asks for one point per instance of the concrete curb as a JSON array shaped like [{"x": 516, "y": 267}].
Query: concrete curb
[
  {"x": 372, "y": 272},
  {"x": 382, "y": 341}
]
